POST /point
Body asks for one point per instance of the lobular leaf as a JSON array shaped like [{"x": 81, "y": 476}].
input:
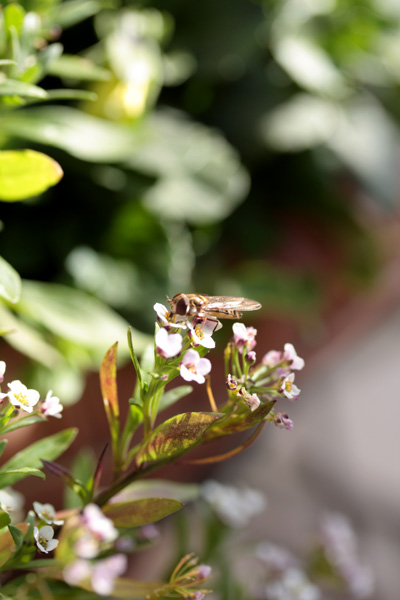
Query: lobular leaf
[
  {"x": 26, "y": 173},
  {"x": 10, "y": 282},
  {"x": 174, "y": 395},
  {"x": 134, "y": 513},
  {"x": 11, "y": 87},
  {"x": 176, "y": 436},
  {"x": 49, "y": 448}
]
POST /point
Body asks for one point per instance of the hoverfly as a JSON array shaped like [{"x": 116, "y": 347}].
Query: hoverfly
[{"x": 201, "y": 305}]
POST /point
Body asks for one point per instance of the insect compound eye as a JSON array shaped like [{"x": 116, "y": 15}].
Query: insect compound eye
[{"x": 182, "y": 306}]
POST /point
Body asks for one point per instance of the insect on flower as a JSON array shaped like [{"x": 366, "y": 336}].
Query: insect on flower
[{"x": 201, "y": 305}]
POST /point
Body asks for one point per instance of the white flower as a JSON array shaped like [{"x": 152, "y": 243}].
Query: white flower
[
  {"x": 288, "y": 388},
  {"x": 252, "y": 400},
  {"x": 46, "y": 512},
  {"x": 294, "y": 584},
  {"x": 21, "y": 397},
  {"x": 12, "y": 502},
  {"x": 106, "y": 571},
  {"x": 98, "y": 524},
  {"x": 201, "y": 333},
  {"x": 101, "y": 574},
  {"x": 244, "y": 336},
  {"x": 44, "y": 538},
  {"x": 77, "y": 571},
  {"x": 168, "y": 344},
  {"x": 165, "y": 319},
  {"x": 234, "y": 506},
  {"x": 290, "y": 354},
  {"x": 271, "y": 359},
  {"x": 193, "y": 368},
  {"x": 2, "y": 370},
  {"x": 52, "y": 406}
]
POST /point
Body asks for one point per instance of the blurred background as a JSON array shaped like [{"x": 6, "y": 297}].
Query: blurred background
[{"x": 241, "y": 147}]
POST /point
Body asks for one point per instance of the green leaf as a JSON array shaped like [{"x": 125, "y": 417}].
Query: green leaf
[
  {"x": 134, "y": 358},
  {"x": 17, "y": 536},
  {"x": 14, "y": 16},
  {"x": 22, "y": 422},
  {"x": 3, "y": 444},
  {"x": 26, "y": 173},
  {"x": 18, "y": 474},
  {"x": 28, "y": 340},
  {"x": 49, "y": 448},
  {"x": 69, "y": 66},
  {"x": 10, "y": 281},
  {"x": 176, "y": 436},
  {"x": 68, "y": 94},
  {"x": 172, "y": 396},
  {"x": 6, "y": 62},
  {"x": 159, "y": 488},
  {"x": 240, "y": 422},
  {"x": 11, "y": 87},
  {"x": 4, "y": 518},
  {"x": 108, "y": 385},
  {"x": 82, "y": 135},
  {"x": 74, "y": 316},
  {"x": 135, "y": 513},
  {"x": 7, "y": 543}
]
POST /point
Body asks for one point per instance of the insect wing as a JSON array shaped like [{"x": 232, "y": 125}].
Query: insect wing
[{"x": 215, "y": 303}]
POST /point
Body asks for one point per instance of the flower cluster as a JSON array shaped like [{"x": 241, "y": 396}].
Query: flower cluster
[
  {"x": 255, "y": 384},
  {"x": 92, "y": 535},
  {"x": 22, "y": 398},
  {"x": 44, "y": 537},
  {"x": 183, "y": 341}
]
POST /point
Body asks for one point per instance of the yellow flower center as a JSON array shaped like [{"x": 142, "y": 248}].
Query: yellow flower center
[
  {"x": 288, "y": 386},
  {"x": 21, "y": 398},
  {"x": 46, "y": 515},
  {"x": 43, "y": 541},
  {"x": 199, "y": 332}
]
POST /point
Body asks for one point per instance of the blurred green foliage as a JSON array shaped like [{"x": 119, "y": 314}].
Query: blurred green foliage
[{"x": 224, "y": 146}]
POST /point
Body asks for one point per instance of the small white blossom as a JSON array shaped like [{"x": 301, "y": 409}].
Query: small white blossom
[
  {"x": 271, "y": 359},
  {"x": 201, "y": 333},
  {"x": 193, "y": 367},
  {"x": 234, "y": 506},
  {"x": 21, "y": 397},
  {"x": 288, "y": 388},
  {"x": 52, "y": 406},
  {"x": 2, "y": 370},
  {"x": 165, "y": 319},
  {"x": 12, "y": 502},
  {"x": 293, "y": 584},
  {"x": 44, "y": 538},
  {"x": 98, "y": 524},
  {"x": 244, "y": 336},
  {"x": 289, "y": 354},
  {"x": 168, "y": 344},
  {"x": 46, "y": 512},
  {"x": 106, "y": 571}
]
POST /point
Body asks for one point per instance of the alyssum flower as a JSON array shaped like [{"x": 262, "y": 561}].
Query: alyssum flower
[
  {"x": 20, "y": 396},
  {"x": 52, "y": 406},
  {"x": 193, "y": 367},
  {"x": 288, "y": 388},
  {"x": 44, "y": 538},
  {"x": 47, "y": 513},
  {"x": 168, "y": 344}
]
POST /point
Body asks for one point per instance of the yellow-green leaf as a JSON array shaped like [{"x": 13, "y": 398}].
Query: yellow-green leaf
[
  {"x": 176, "y": 436},
  {"x": 135, "y": 513},
  {"x": 26, "y": 173}
]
